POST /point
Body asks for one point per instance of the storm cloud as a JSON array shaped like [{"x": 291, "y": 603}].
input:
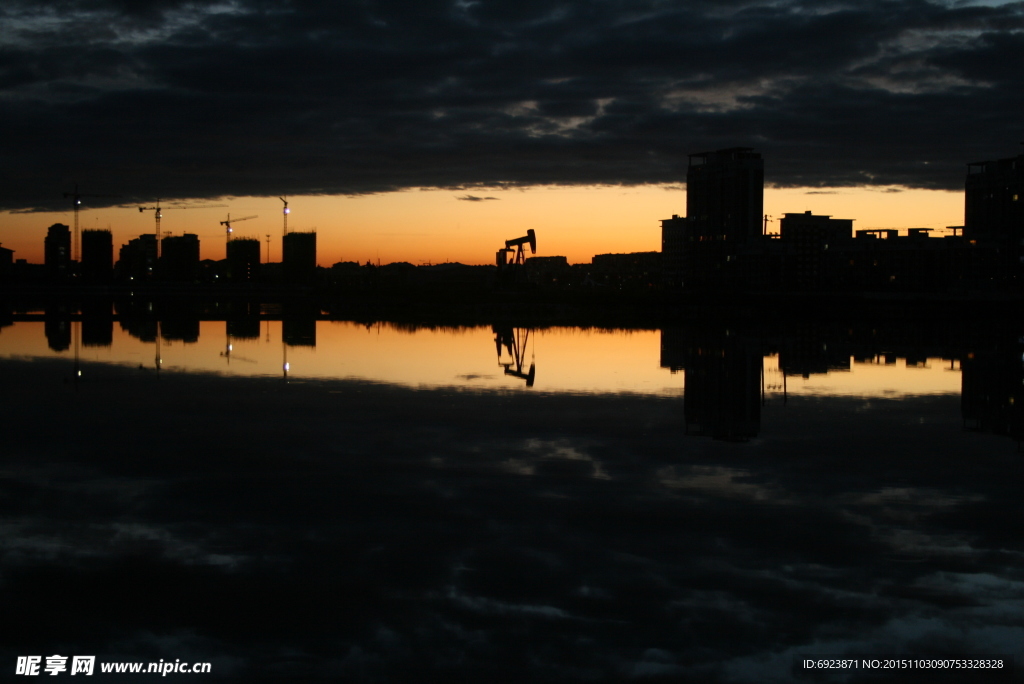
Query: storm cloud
[{"x": 170, "y": 99}]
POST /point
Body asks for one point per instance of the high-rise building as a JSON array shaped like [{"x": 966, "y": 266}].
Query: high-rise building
[
  {"x": 6, "y": 264},
  {"x": 137, "y": 259},
  {"x": 994, "y": 214},
  {"x": 673, "y": 242},
  {"x": 243, "y": 260},
  {"x": 723, "y": 228},
  {"x": 97, "y": 256},
  {"x": 57, "y": 252},
  {"x": 806, "y": 240},
  {"x": 299, "y": 259},
  {"x": 179, "y": 258},
  {"x": 725, "y": 195}
]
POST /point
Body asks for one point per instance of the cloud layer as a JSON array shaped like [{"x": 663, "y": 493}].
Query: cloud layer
[{"x": 162, "y": 98}]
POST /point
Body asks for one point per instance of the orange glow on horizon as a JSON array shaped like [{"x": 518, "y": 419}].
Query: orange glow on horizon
[{"x": 433, "y": 226}]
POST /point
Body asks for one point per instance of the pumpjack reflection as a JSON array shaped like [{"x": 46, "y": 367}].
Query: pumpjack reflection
[{"x": 514, "y": 340}]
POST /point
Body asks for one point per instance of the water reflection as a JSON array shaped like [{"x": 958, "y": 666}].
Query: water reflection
[
  {"x": 394, "y": 526},
  {"x": 58, "y": 327},
  {"x": 97, "y": 324},
  {"x": 725, "y": 374},
  {"x": 993, "y": 388},
  {"x": 724, "y": 380},
  {"x": 515, "y": 341}
]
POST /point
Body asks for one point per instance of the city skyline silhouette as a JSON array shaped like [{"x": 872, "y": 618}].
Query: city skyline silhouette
[{"x": 511, "y": 341}]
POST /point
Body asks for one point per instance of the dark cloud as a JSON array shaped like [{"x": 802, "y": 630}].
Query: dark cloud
[
  {"x": 474, "y": 198},
  {"x": 184, "y": 100}
]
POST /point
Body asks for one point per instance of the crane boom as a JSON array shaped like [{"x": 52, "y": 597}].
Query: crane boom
[
  {"x": 227, "y": 224},
  {"x": 159, "y": 215}
]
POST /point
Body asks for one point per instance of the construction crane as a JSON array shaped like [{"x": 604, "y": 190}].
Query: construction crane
[
  {"x": 285, "y": 212},
  {"x": 229, "y": 221},
  {"x": 159, "y": 215},
  {"x": 76, "y": 197}
]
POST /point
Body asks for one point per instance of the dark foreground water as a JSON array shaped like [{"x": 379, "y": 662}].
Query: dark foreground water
[{"x": 720, "y": 529}]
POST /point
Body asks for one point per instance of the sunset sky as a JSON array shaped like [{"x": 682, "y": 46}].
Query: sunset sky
[{"x": 432, "y": 131}]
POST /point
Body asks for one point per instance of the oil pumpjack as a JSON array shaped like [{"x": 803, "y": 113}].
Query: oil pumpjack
[
  {"x": 509, "y": 270},
  {"x": 519, "y": 257}
]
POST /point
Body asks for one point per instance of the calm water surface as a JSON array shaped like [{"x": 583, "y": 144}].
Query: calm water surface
[
  {"x": 565, "y": 359},
  {"x": 322, "y": 500}
]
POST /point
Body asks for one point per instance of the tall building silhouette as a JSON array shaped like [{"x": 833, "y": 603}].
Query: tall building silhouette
[
  {"x": 57, "y": 252},
  {"x": 994, "y": 214},
  {"x": 299, "y": 259},
  {"x": 137, "y": 259},
  {"x": 179, "y": 258},
  {"x": 673, "y": 245},
  {"x": 6, "y": 264},
  {"x": 243, "y": 260},
  {"x": 718, "y": 240},
  {"x": 97, "y": 256},
  {"x": 725, "y": 195},
  {"x": 806, "y": 239}
]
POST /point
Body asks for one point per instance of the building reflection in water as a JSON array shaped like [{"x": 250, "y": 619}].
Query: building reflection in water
[
  {"x": 243, "y": 323},
  {"x": 243, "y": 328},
  {"x": 723, "y": 392},
  {"x": 807, "y": 351},
  {"x": 179, "y": 329},
  {"x": 298, "y": 324},
  {"x": 515, "y": 341},
  {"x": 299, "y": 332},
  {"x": 722, "y": 396},
  {"x": 298, "y": 329},
  {"x": 57, "y": 327},
  {"x": 138, "y": 320},
  {"x": 97, "y": 324},
  {"x": 992, "y": 393}
]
